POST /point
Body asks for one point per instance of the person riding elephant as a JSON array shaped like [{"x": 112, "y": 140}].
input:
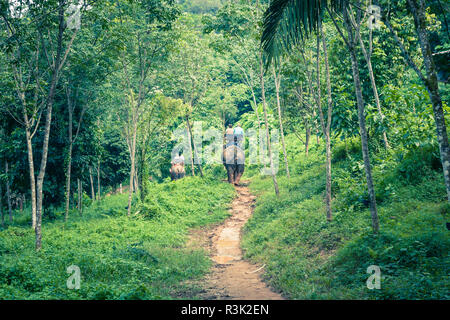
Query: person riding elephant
[
  {"x": 239, "y": 135},
  {"x": 177, "y": 170},
  {"x": 234, "y": 162},
  {"x": 229, "y": 136}
]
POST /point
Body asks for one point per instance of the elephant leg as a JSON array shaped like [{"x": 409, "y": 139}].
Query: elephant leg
[
  {"x": 239, "y": 172},
  {"x": 230, "y": 173}
]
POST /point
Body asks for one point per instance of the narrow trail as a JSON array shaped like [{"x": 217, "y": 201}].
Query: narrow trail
[{"x": 232, "y": 277}]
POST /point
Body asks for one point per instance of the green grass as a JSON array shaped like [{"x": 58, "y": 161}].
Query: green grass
[
  {"x": 145, "y": 257},
  {"x": 139, "y": 257},
  {"x": 307, "y": 257}
]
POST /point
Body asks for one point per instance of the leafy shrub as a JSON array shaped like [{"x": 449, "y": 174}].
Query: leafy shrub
[
  {"x": 417, "y": 163},
  {"x": 120, "y": 257}
]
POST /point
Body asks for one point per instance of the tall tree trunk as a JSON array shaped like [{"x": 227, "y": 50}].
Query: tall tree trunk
[
  {"x": 199, "y": 165},
  {"x": 31, "y": 172},
  {"x": 266, "y": 122},
  {"x": 431, "y": 82},
  {"x": 307, "y": 138},
  {"x": 132, "y": 157},
  {"x": 70, "y": 110},
  {"x": 55, "y": 65},
  {"x": 223, "y": 120},
  {"x": 56, "y": 68},
  {"x": 277, "y": 89},
  {"x": 80, "y": 197},
  {"x": 68, "y": 176},
  {"x": 316, "y": 127},
  {"x": 8, "y": 192},
  {"x": 368, "y": 57},
  {"x": 98, "y": 179},
  {"x": 140, "y": 177},
  {"x": 41, "y": 175},
  {"x": 305, "y": 120},
  {"x": 69, "y": 158},
  {"x": 92, "y": 183},
  {"x": 324, "y": 130},
  {"x": 326, "y": 126},
  {"x": 311, "y": 94},
  {"x": 362, "y": 121},
  {"x": 1, "y": 206},
  {"x": 377, "y": 98},
  {"x": 190, "y": 146},
  {"x": 135, "y": 180},
  {"x": 418, "y": 10},
  {"x": 256, "y": 109}
]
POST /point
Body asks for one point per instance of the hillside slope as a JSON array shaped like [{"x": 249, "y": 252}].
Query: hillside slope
[
  {"x": 119, "y": 257},
  {"x": 308, "y": 258}
]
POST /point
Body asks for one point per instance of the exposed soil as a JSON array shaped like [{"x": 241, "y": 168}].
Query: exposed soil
[{"x": 231, "y": 277}]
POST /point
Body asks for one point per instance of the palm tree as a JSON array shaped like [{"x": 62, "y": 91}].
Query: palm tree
[{"x": 287, "y": 23}]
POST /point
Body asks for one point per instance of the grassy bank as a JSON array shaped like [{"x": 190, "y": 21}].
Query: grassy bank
[
  {"x": 139, "y": 257},
  {"x": 308, "y": 258}
]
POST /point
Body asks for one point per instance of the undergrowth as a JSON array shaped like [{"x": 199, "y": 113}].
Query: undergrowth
[
  {"x": 307, "y": 257},
  {"x": 139, "y": 257}
]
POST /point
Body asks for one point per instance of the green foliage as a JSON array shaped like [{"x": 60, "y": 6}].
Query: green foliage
[
  {"x": 307, "y": 257},
  {"x": 200, "y": 6},
  {"x": 142, "y": 257},
  {"x": 150, "y": 66},
  {"x": 412, "y": 119}
]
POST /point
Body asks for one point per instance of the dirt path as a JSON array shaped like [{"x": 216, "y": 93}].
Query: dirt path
[{"x": 232, "y": 277}]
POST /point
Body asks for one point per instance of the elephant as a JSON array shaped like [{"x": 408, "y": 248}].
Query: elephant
[
  {"x": 234, "y": 162},
  {"x": 177, "y": 171}
]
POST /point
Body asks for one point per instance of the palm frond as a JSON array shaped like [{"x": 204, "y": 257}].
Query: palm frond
[{"x": 288, "y": 22}]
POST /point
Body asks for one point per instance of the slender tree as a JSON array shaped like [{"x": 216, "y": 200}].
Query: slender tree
[
  {"x": 266, "y": 123},
  {"x": 326, "y": 126},
  {"x": 98, "y": 179},
  {"x": 430, "y": 80},
  {"x": 298, "y": 91},
  {"x": 351, "y": 45},
  {"x": 71, "y": 104},
  {"x": 1, "y": 205},
  {"x": 80, "y": 196},
  {"x": 55, "y": 52},
  {"x": 8, "y": 191},
  {"x": 368, "y": 57},
  {"x": 92, "y": 183},
  {"x": 277, "y": 78},
  {"x": 148, "y": 44},
  {"x": 192, "y": 143},
  {"x": 291, "y": 20}
]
